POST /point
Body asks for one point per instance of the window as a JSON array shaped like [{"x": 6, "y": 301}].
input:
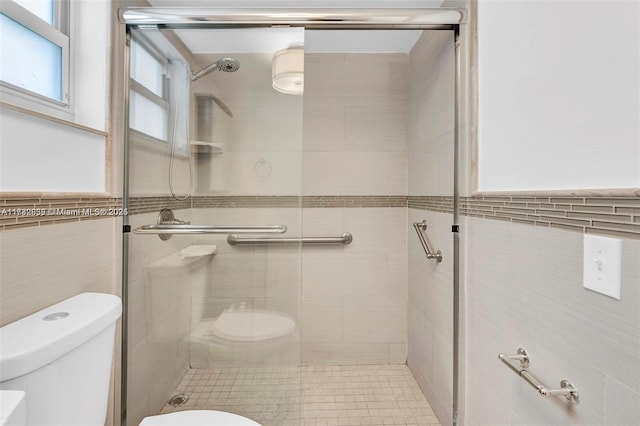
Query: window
[
  {"x": 149, "y": 104},
  {"x": 34, "y": 60}
]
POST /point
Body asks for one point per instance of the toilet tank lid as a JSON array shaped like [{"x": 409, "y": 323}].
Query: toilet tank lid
[{"x": 40, "y": 338}]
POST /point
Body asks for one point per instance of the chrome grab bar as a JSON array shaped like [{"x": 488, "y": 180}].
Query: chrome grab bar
[
  {"x": 519, "y": 364},
  {"x": 168, "y": 225},
  {"x": 420, "y": 228},
  {"x": 209, "y": 229},
  {"x": 345, "y": 238}
]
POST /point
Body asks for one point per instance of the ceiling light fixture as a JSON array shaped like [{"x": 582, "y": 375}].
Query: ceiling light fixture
[{"x": 287, "y": 70}]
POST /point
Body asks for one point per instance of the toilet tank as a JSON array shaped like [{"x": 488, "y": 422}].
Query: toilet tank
[{"x": 61, "y": 357}]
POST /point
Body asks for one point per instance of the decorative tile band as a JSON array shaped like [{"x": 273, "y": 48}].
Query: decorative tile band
[
  {"x": 609, "y": 215},
  {"x": 30, "y": 212},
  {"x": 309, "y": 201},
  {"x": 618, "y": 216},
  {"x": 328, "y": 201},
  {"x": 139, "y": 205},
  {"x": 246, "y": 201},
  {"x": 440, "y": 204}
]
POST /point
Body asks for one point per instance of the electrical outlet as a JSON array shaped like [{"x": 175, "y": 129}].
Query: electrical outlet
[{"x": 602, "y": 265}]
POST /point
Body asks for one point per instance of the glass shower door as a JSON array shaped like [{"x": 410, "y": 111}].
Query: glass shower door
[{"x": 213, "y": 322}]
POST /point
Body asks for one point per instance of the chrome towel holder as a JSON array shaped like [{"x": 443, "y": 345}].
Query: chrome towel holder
[{"x": 519, "y": 364}]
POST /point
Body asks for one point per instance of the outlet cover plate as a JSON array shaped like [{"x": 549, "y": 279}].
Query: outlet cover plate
[{"x": 602, "y": 265}]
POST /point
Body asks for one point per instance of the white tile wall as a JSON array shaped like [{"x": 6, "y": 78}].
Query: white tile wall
[
  {"x": 45, "y": 265},
  {"x": 251, "y": 173},
  {"x": 160, "y": 304},
  {"x": 150, "y": 174},
  {"x": 355, "y": 124},
  {"x": 344, "y": 297},
  {"x": 431, "y": 311},
  {"x": 40, "y": 266},
  {"x": 430, "y": 172},
  {"x": 359, "y": 290},
  {"x": 621, "y": 403},
  {"x": 262, "y": 142},
  {"x": 524, "y": 288},
  {"x": 430, "y": 115},
  {"x": 355, "y": 173}
]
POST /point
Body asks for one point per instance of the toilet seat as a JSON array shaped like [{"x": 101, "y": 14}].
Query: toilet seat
[{"x": 198, "y": 418}]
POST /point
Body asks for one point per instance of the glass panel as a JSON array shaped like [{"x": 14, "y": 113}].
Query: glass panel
[
  {"x": 43, "y": 9},
  {"x": 29, "y": 60},
  {"x": 146, "y": 69},
  {"x": 148, "y": 117},
  {"x": 230, "y": 319}
]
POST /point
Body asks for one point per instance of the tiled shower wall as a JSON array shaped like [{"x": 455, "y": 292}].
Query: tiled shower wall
[
  {"x": 354, "y": 298},
  {"x": 430, "y": 313},
  {"x": 159, "y": 316}
]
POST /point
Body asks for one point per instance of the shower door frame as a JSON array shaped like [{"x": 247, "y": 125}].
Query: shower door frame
[{"x": 443, "y": 19}]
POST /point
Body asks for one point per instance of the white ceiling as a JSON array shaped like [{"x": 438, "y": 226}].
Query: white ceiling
[
  {"x": 269, "y": 40},
  {"x": 315, "y": 41}
]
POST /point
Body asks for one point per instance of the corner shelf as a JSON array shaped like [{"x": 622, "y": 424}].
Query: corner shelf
[{"x": 207, "y": 147}]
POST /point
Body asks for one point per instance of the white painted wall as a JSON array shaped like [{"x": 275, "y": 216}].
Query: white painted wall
[
  {"x": 40, "y": 155},
  {"x": 559, "y": 95}
]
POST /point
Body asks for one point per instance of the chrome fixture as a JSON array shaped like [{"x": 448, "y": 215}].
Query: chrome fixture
[
  {"x": 519, "y": 364},
  {"x": 223, "y": 64},
  {"x": 342, "y": 18},
  {"x": 168, "y": 225},
  {"x": 166, "y": 217},
  {"x": 345, "y": 238},
  {"x": 420, "y": 228},
  {"x": 178, "y": 400}
]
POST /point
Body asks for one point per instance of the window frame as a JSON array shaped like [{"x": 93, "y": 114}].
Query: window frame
[
  {"x": 58, "y": 34},
  {"x": 163, "y": 101}
]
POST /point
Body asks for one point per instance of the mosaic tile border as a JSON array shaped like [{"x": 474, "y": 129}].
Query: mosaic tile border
[
  {"x": 619, "y": 216},
  {"x": 309, "y": 201},
  {"x": 152, "y": 204},
  {"x": 440, "y": 204},
  {"x": 30, "y": 212}
]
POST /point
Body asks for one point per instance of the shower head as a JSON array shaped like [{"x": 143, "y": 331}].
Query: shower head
[
  {"x": 223, "y": 64},
  {"x": 228, "y": 65}
]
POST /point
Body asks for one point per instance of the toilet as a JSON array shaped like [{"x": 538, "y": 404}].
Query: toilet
[
  {"x": 61, "y": 358},
  {"x": 198, "y": 418}
]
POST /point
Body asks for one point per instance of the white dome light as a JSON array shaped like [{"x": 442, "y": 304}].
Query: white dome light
[{"x": 287, "y": 70}]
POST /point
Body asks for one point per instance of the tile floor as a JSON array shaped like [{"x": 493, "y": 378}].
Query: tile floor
[{"x": 310, "y": 396}]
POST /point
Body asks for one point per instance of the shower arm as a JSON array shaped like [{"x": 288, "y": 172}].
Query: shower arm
[{"x": 204, "y": 71}]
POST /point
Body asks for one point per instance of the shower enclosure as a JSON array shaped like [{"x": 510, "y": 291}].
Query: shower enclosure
[{"x": 265, "y": 179}]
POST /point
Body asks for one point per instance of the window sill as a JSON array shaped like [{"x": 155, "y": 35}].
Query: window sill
[{"x": 53, "y": 119}]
